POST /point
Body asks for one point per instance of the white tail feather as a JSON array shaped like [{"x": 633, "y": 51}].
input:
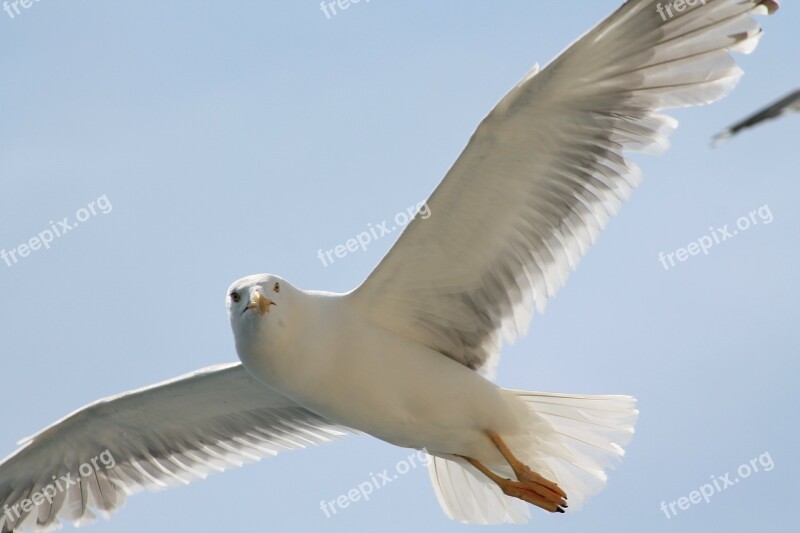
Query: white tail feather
[
  {"x": 468, "y": 496},
  {"x": 576, "y": 439}
]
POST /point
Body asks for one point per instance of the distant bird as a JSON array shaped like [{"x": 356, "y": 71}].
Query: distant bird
[
  {"x": 406, "y": 356},
  {"x": 785, "y": 106}
]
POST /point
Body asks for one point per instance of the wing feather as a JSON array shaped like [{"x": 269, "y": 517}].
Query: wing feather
[
  {"x": 168, "y": 434},
  {"x": 544, "y": 172}
]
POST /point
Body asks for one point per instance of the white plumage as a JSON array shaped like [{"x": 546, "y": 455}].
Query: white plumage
[
  {"x": 167, "y": 434},
  {"x": 404, "y": 356}
]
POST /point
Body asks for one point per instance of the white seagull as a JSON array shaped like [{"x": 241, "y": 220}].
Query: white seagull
[
  {"x": 785, "y": 106},
  {"x": 406, "y": 357}
]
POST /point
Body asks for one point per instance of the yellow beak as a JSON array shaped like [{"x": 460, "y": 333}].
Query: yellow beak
[{"x": 259, "y": 303}]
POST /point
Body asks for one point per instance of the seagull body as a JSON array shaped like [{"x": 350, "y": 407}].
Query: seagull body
[
  {"x": 369, "y": 378},
  {"x": 407, "y": 356}
]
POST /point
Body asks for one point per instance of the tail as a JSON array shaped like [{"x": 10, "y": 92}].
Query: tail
[{"x": 573, "y": 439}]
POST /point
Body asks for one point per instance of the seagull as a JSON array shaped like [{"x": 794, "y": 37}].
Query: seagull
[
  {"x": 785, "y": 106},
  {"x": 409, "y": 355}
]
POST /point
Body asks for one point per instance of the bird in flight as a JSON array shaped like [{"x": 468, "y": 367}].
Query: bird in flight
[
  {"x": 408, "y": 355},
  {"x": 785, "y": 106}
]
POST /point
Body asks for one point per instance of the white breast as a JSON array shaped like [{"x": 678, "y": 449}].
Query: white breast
[{"x": 360, "y": 375}]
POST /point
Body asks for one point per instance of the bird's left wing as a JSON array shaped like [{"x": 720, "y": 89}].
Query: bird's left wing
[
  {"x": 166, "y": 434},
  {"x": 544, "y": 171},
  {"x": 785, "y": 106}
]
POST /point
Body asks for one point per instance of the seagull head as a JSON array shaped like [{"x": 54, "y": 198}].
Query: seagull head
[
  {"x": 256, "y": 297},
  {"x": 266, "y": 314}
]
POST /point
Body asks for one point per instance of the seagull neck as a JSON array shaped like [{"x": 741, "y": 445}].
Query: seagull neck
[{"x": 295, "y": 320}]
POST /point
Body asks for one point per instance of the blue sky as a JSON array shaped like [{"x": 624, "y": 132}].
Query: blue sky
[{"x": 237, "y": 138}]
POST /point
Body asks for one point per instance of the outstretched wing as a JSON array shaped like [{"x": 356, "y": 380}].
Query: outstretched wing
[
  {"x": 544, "y": 171},
  {"x": 170, "y": 433},
  {"x": 785, "y": 106}
]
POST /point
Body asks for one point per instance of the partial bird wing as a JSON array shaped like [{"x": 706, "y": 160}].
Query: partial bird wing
[
  {"x": 544, "y": 171},
  {"x": 787, "y": 105},
  {"x": 166, "y": 434}
]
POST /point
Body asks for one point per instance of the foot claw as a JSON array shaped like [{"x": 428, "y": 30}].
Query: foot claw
[
  {"x": 526, "y": 475},
  {"x": 533, "y": 494}
]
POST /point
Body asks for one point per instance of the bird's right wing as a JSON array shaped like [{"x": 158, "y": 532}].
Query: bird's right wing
[
  {"x": 786, "y": 105},
  {"x": 166, "y": 434},
  {"x": 545, "y": 171}
]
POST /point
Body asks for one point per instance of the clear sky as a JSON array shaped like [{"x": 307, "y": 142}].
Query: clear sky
[{"x": 225, "y": 139}]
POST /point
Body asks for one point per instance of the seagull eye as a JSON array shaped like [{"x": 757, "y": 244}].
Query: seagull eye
[
  {"x": 235, "y": 296},
  {"x": 276, "y": 287}
]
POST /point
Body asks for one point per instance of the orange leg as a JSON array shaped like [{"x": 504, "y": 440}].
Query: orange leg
[{"x": 529, "y": 486}]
